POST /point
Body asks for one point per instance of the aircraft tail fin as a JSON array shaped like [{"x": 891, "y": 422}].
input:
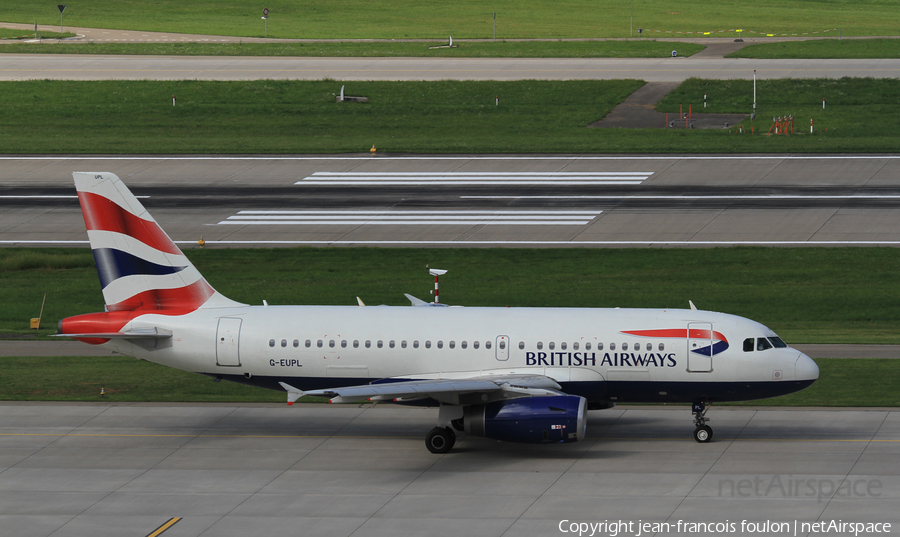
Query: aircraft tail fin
[{"x": 140, "y": 268}]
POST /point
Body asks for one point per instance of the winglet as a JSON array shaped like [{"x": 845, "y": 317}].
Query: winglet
[
  {"x": 415, "y": 301},
  {"x": 693, "y": 307},
  {"x": 360, "y": 302},
  {"x": 292, "y": 393}
]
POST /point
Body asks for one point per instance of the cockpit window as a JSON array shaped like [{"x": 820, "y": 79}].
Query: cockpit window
[
  {"x": 749, "y": 343},
  {"x": 762, "y": 344},
  {"x": 776, "y": 341}
]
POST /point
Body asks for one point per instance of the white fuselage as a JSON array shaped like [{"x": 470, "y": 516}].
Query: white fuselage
[{"x": 590, "y": 352}]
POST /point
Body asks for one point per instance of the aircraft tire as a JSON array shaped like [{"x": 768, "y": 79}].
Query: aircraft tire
[
  {"x": 440, "y": 440},
  {"x": 703, "y": 434}
]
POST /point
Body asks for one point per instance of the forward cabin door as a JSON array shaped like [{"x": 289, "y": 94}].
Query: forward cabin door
[
  {"x": 228, "y": 339},
  {"x": 700, "y": 347}
]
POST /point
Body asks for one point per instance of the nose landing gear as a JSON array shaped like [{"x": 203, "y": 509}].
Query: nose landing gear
[{"x": 703, "y": 432}]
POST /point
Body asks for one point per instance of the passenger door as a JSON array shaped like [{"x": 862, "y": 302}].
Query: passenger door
[
  {"x": 228, "y": 341},
  {"x": 700, "y": 347}
]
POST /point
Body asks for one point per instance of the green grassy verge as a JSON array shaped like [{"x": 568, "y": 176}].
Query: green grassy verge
[
  {"x": 6, "y": 33},
  {"x": 647, "y": 48},
  {"x": 842, "y": 382},
  {"x": 823, "y": 49},
  {"x": 431, "y": 117},
  {"x": 469, "y": 18},
  {"x": 807, "y": 295},
  {"x": 846, "y": 382}
]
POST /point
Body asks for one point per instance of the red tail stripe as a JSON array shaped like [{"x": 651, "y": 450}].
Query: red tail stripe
[
  {"x": 98, "y": 323},
  {"x": 187, "y": 298},
  {"x": 102, "y": 214}
]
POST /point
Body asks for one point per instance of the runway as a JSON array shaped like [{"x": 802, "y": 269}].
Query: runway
[
  {"x": 120, "y": 67},
  {"x": 340, "y": 470},
  {"x": 513, "y": 201}
]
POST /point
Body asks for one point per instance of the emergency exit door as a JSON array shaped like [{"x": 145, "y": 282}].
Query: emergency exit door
[{"x": 228, "y": 342}]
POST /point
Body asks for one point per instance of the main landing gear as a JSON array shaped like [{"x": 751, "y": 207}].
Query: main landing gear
[
  {"x": 440, "y": 439},
  {"x": 703, "y": 433}
]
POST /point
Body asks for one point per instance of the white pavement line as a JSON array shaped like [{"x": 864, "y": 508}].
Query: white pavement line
[
  {"x": 48, "y": 196},
  {"x": 689, "y": 197},
  {"x": 376, "y": 222},
  {"x": 460, "y": 183},
  {"x": 476, "y": 174},
  {"x": 479, "y": 178},
  {"x": 441, "y": 212},
  {"x": 458, "y": 158},
  {"x": 512, "y": 243}
]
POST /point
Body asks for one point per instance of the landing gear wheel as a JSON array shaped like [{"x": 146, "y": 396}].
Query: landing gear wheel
[
  {"x": 440, "y": 440},
  {"x": 703, "y": 434}
]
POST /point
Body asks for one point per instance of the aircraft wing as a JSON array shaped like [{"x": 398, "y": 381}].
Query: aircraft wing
[{"x": 470, "y": 390}]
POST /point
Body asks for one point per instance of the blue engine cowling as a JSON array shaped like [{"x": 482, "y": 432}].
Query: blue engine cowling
[{"x": 531, "y": 420}]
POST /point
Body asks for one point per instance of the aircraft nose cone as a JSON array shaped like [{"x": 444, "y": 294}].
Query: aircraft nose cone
[{"x": 805, "y": 368}]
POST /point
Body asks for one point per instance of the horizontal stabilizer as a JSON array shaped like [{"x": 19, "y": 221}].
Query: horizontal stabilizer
[{"x": 153, "y": 333}]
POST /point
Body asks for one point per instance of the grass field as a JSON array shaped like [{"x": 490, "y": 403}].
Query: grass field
[
  {"x": 429, "y": 117},
  {"x": 823, "y": 49},
  {"x": 842, "y": 382},
  {"x": 25, "y": 34},
  {"x": 467, "y": 18},
  {"x": 647, "y": 48},
  {"x": 807, "y": 295}
]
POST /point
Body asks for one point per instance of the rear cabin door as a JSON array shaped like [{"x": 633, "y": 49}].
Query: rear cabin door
[
  {"x": 228, "y": 340},
  {"x": 700, "y": 347}
]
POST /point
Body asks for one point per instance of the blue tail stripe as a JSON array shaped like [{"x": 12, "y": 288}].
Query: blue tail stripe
[{"x": 113, "y": 264}]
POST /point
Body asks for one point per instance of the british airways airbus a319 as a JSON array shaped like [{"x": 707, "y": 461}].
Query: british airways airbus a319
[{"x": 512, "y": 374}]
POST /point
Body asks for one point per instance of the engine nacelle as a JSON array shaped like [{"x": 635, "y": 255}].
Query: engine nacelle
[{"x": 532, "y": 420}]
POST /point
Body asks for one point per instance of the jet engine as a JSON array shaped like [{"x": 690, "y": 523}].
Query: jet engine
[{"x": 531, "y": 420}]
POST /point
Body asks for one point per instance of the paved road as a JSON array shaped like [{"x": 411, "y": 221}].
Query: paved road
[
  {"x": 537, "y": 201},
  {"x": 98, "y": 67},
  {"x": 344, "y": 470}
]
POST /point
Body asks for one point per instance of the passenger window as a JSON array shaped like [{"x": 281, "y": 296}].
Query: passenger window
[
  {"x": 540, "y": 345},
  {"x": 464, "y": 344},
  {"x": 296, "y": 343},
  {"x": 368, "y": 343},
  {"x": 452, "y": 344},
  {"x": 308, "y": 343},
  {"x": 624, "y": 346},
  {"x": 403, "y": 344},
  {"x": 331, "y": 343},
  {"x": 762, "y": 344},
  {"x": 427, "y": 344},
  {"x": 562, "y": 345},
  {"x": 475, "y": 344},
  {"x": 502, "y": 344},
  {"x": 271, "y": 342},
  {"x": 662, "y": 346},
  {"x": 440, "y": 344},
  {"x": 521, "y": 345},
  {"x": 487, "y": 344},
  {"x": 748, "y": 344},
  {"x": 380, "y": 344},
  {"x": 415, "y": 343},
  {"x": 343, "y": 343},
  {"x": 612, "y": 346},
  {"x": 551, "y": 345},
  {"x": 391, "y": 344},
  {"x": 575, "y": 346},
  {"x": 355, "y": 343},
  {"x": 649, "y": 346},
  {"x": 587, "y": 346},
  {"x": 284, "y": 343},
  {"x": 319, "y": 343}
]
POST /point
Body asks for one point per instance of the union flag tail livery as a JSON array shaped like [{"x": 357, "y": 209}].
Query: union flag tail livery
[
  {"x": 140, "y": 268},
  {"x": 511, "y": 374}
]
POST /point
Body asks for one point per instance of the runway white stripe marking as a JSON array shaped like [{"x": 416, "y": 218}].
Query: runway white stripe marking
[
  {"x": 458, "y": 158},
  {"x": 48, "y": 196},
  {"x": 476, "y": 178},
  {"x": 412, "y": 217}
]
